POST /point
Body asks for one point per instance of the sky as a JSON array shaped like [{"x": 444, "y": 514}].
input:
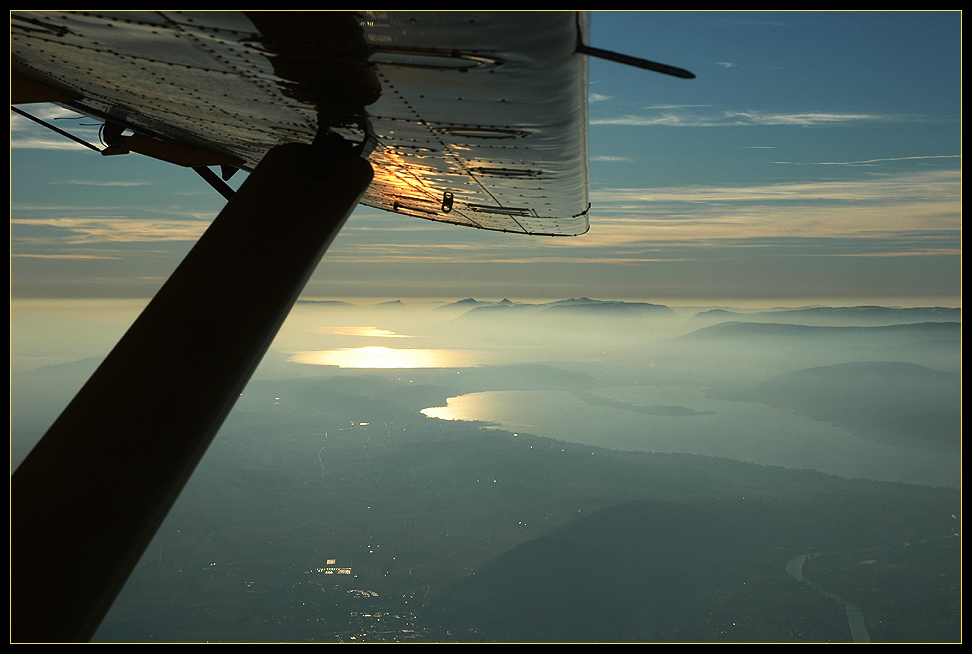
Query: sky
[{"x": 816, "y": 158}]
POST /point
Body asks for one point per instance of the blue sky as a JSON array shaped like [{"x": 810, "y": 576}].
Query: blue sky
[{"x": 816, "y": 157}]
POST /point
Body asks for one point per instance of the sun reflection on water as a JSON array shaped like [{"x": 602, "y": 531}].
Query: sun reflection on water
[
  {"x": 441, "y": 412},
  {"x": 470, "y": 406},
  {"x": 370, "y": 332},
  {"x": 387, "y": 357}
]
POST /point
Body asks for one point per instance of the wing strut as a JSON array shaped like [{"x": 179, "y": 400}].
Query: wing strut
[
  {"x": 90, "y": 496},
  {"x": 217, "y": 183}
]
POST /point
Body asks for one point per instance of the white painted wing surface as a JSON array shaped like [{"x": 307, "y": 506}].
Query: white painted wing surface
[{"x": 472, "y": 118}]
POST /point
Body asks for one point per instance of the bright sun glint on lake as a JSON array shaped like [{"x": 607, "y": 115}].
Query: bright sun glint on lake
[{"x": 386, "y": 357}]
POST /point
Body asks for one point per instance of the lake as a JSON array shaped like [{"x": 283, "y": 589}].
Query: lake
[{"x": 682, "y": 419}]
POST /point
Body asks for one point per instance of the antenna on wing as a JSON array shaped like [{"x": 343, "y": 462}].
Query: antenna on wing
[
  {"x": 635, "y": 61},
  {"x": 628, "y": 60}
]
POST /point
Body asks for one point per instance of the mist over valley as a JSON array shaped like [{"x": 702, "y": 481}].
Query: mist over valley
[{"x": 629, "y": 470}]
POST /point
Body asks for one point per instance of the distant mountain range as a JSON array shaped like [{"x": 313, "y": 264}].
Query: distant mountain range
[
  {"x": 337, "y": 303},
  {"x": 577, "y": 306},
  {"x": 810, "y": 316},
  {"x": 768, "y": 329},
  {"x": 863, "y": 315}
]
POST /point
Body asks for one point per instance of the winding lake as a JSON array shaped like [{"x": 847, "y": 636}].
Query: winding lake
[{"x": 681, "y": 419}]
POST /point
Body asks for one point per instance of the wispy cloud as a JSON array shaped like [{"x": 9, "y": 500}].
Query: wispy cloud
[
  {"x": 88, "y": 230},
  {"x": 904, "y": 215},
  {"x": 916, "y": 203},
  {"x": 50, "y": 112},
  {"x": 43, "y": 143},
  {"x": 655, "y": 107},
  {"x": 62, "y": 256},
  {"x": 606, "y": 157},
  {"x": 928, "y": 186},
  {"x": 674, "y": 118},
  {"x": 88, "y": 182},
  {"x": 804, "y": 119},
  {"x": 869, "y": 162},
  {"x": 27, "y": 134}
]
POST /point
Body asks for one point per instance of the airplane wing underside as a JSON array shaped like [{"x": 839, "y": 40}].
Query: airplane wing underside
[{"x": 477, "y": 119}]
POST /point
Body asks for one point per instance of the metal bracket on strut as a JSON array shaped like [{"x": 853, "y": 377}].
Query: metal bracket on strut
[{"x": 328, "y": 147}]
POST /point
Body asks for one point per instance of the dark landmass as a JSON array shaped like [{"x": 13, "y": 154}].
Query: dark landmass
[
  {"x": 736, "y": 356},
  {"x": 703, "y": 571},
  {"x": 329, "y": 509},
  {"x": 449, "y": 531},
  {"x": 890, "y": 402},
  {"x": 923, "y": 575}
]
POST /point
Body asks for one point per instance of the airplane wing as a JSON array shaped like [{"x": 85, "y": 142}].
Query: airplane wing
[
  {"x": 476, "y": 119},
  {"x": 472, "y": 118}
]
